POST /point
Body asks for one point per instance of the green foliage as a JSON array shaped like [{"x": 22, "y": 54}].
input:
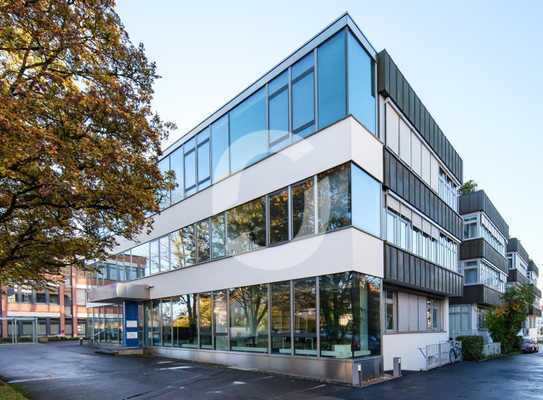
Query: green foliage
[
  {"x": 9, "y": 392},
  {"x": 506, "y": 320},
  {"x": 472, "y": 347},
  {"x": 468, "y": 187}
]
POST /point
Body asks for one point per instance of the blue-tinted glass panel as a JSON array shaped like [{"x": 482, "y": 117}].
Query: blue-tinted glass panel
[
  {"x": 248, "y": 136},
  {"x": 278, "y": 115},
  {"x": 366, "y": 201},
  {"x": 190, "y": 172},
  {"x": 203, "y": 165},
  {"x": 176, "y": 165},
  {"x": 219, "y": 148},
  {"x": 302, "y": 66},
  {"x": 278, "y": 83},
  {"x": 164, "y": 196},
  {"x": 303, "y": 106},
  {"x": 154, "y": 260},
  {"x": 331, "y": 80},
  {"x": 361, "y": 84}
]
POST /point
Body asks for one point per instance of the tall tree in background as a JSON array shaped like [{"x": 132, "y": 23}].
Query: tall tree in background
[
  {"x": 468, "y": 187},
  {"x": 78, "y": 139}
]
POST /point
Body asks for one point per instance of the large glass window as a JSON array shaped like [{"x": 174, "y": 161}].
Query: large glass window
[
  {"x": 176, "y": 250},
  {"x": 176, "y": 165},
  {"x": 204, "y": 313},
  {"x": 164, "y": 167},
  {"x": 366, "y": 316},
  {"x": 140, "y": 257},
  {"x": 166, "y": 315},
  {"x": 249, "y": 319},
  {"x": 278, "y": 111},
  {"x": 204, "y": 178},
  {"x": 202, "y": 240},
  {"x": 164, "y": 244},
  {"x": 334, "y": 198},
  {"x": 185, "y": 330},
  {"x": 218, "y": 236},
  {"x": 280, "y": 318},
  {"x": 331, "y": 80},
  {"x": 248, "y": 138},
  {"x": 303, "y": 208},
  {"x": 361, "y": 84},
  {"x": 247, "y": 227},
  {"x": 155, "y": 323},
  {"x": 154, "y": 259},
  {"x": 220, "y": 320},
  {"x": 366, "y": 201},
  {"x": 189, "y": 245},
  {"x": 303, "y": 100},
  {"x": 219, "y": 149},
  {"x": 190, "y": 167},
  {"x": 278, "y": 208},
  {"x": 305, "y": 330}
]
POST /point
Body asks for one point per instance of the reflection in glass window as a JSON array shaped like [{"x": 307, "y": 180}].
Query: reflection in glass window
[
  {"x": 154, "y": 260},
  {"x": 218, "y": 236},
  {"x": 190, "y": 167},
  {"x": 202, "y": 240},
  {"x": 140, "y": 257},
  {"x": 278, "y": 111},
  {"x": 220, "y": 320},
  {"x": 155, "y": 323},
  {"x": 185, "y": 330},
  {"x": 249, "y": 319},
  {"x": 164, "y": 253},
  {"x": 278, "y": 204},
  {"x": 204, "y": 178},
  {"x": 331, "y": 80},
  {"x": 176, "y": 250},
  {"x": 189, "y": 245},
  {"x": 361, "y": 84},
  {"x": 247, "y": 227},
  {"x": 219, "y": 149},
  {"x": 176, "y": 165},
  {"x": 366, "y": 201},
  {"x": 367, "y": 316},
  {"x": 280, "y": 318},
  {"x": 303, "y": 101},
  {"x": 305, "y": 337},
  {"x": 164, "y": 167},
  {"x": 334, "y": 200},
  {"x": 303, "y": 208},
  {"x": 204, "y": 313},
  {"x": 248, "y": 139},
  {"x": 166, "y": 314}
]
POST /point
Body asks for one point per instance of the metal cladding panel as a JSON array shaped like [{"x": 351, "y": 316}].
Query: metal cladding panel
[
  {"x": 407, "y": 270},
  {"x": 533, "y": 267},
  {"x": 480, "y": 248},
  {"x": 395, "y": 86},
  {"x": 516, "y": 276},
  {"x": 479, "y": 294},
  {"x": 400, "y": 179},
  {"x": 515, "y": 246},
  {"x": 479, "y": 201}
]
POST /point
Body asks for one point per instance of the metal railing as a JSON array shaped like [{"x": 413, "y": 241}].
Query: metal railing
[{"x": 440, "y": 354}]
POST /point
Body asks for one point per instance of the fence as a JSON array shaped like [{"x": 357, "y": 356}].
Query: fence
[
  {"x": 439, "y": 354},
  {"x": 492, "y": 349}
]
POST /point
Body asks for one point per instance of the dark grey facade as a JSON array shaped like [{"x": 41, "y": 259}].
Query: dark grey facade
[
  {"x": 478, "y": 294},
  {"x": 515, "y": 246},
  {"x": 480, "y": 248},
  {"x": 479, "y": 201}
]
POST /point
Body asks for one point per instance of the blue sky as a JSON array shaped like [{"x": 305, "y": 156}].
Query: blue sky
[{"x": 476, "y": 65}]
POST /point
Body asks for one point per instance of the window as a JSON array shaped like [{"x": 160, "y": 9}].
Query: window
[
  {"x": 164, "y": 196},
  {"x": 220, "y": 320},
  {"x": 176, "y": 165},
  {"x": 218, "y": 236},
  {"x": 334, "y": 200},
  {"x": 204, "y": 179},
  {"x": 204, "y": 313},
  {"x": 404, "y": 233},
  {"x": 219, "y": 149},
  {"x": 278, "y": 209},
  {"x": 303, "y": 101},
  {"x": 470, "y": 272},
  {"x": 154, "y": 257},
  {"x": 391, "y": 318},
  {"x": 54, "y": 327},
  {"x": 361, "y": 84},
  {"x": 248, "y": 139},
  {"x": 185, "y": 331},
  {"x": 303, "y": 208},
  {"x": 470, "y": 228},
  {"x": 391, "y": 227},
  {"x": 249, "y": 319},
  {"x": 202, "y": 240},
  {"x": 331, "y": 80},
  {"x": 188, "y": 237},
  {"x": 81, "y": 297},
  {"x": 246, "y": 227},
  {"x": 366, "y": 201},
  {"x": 140, "y": 257},
  {"x": 53, "y": 296},
  {"x": 280, "y": 318},
  {"x": 155, "y": 323},
  {"x": 305, "y": 341},
  {"x": 278, "y": 107},
  {"x": 40, "y": 297},
  {"x": 166, "y": 315},
  {"x": 176, "y": 250},
  {"x": 433, "y": 311},
  {"x": 190, "y": 167},
  {"x": 164, "y": 243}
]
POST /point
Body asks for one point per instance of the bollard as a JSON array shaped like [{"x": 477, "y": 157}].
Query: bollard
[
  {"x": 360, "y": 376},
  {"x": 397, "y": 371}
]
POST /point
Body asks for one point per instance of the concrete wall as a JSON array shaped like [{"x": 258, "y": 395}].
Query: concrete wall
[{"x": 406, "y": 346}]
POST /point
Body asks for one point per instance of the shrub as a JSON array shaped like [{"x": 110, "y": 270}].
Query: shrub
[{"x": 472, "y": 347}]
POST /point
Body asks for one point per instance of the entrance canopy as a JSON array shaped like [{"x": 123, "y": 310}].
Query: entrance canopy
[{"x": 118, "y": 292}]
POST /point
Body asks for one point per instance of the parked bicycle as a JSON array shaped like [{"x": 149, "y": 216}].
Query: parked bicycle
[{"x": 455, "y": 353}]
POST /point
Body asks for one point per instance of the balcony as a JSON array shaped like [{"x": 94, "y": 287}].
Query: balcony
[
  {"x": 479, "y": 294},
  {"x": 479, "y": 248},
  {"x": 517, "y": 277}
]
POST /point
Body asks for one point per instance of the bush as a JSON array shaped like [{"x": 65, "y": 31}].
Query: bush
[{"x": 472, "y": 347}]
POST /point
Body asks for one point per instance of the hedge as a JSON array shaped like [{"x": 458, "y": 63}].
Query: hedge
[{"x": 472, "y": 347}]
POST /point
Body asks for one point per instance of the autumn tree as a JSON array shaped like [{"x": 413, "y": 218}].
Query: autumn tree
[{"x": 78, "y": 139}]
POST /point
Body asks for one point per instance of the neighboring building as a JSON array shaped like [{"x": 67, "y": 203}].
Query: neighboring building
[
  {"x": 56, "y": 310},
  {"x": 483, "y": 263},
  {"x": 313, "y": 229},
  {"x": 523, "y": 270}
]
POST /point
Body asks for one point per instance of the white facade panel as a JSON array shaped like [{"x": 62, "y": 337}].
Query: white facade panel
[
  {"x": 406, "y": 346},
  {"x": 416, "y": 155},
  {"x": 405, "y": 142},
  {"x": 392, "y": 129},
  {"x": 426, "y": 165},
  {"x": 434, "y": 173}
]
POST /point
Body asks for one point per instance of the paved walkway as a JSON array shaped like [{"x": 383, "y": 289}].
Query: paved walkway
[{"x": 62, "y": 371}]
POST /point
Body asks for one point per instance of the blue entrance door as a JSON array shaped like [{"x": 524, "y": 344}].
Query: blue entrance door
[{"x": 131, "y": 324}]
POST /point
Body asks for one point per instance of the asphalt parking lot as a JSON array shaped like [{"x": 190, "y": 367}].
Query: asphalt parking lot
[{"x": 62, "y": 371}]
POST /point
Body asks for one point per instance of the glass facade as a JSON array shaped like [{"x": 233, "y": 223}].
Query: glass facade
[
  {"x": 340, "y": 197},
  {"x": 341, "y": 312},
  {"x": 332, "y": 81}
]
